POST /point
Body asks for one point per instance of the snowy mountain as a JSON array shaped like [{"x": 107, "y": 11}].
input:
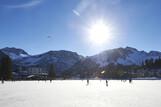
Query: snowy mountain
[
  {"x": 62, "y": 60},
  {"x": 15, "y": 53},
  {"x": 124, "y": 56},
  {"x": 71, "y": 61}
]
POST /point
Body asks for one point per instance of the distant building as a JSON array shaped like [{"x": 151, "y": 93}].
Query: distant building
[
  {"x": 32, "y": 73},
  {"x": 36, "y": 70}
]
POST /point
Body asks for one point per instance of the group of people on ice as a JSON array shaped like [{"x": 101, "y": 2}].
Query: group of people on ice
[{"x": 130, "y": 81}]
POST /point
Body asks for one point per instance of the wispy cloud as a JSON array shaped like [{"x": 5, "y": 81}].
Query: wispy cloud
[
  {"x": 28, "y": 4},
  {"x": 82, "y": 6},
  {"x": 86, "y": 5},
  {"x": 76, "y": 12}
]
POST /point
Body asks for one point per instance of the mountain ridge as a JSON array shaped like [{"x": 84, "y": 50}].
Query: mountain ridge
[
  {"x": 65, "y": 60},
  {"x": 124, "y": 56},
  {"x": 14, "y": 53}
]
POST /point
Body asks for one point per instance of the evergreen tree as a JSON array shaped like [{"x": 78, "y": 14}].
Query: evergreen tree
[
  {"x": 6, "y": 68},
  {"x": 153, "y": 64},
  {"x": 1, "y": 71},
  {"x": 51, "y": 72}
]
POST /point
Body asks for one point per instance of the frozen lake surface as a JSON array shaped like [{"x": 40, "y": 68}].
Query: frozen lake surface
[{"x": 75, "y": 93}]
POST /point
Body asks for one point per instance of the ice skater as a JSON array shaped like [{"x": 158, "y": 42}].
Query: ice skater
[
  {"x": 87, "y": 81},
  {"x": 130, "y": 80},
  {"x": 106, "y": 83}
]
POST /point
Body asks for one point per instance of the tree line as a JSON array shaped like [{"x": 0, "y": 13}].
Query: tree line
[{"x": 152, "y": 63}]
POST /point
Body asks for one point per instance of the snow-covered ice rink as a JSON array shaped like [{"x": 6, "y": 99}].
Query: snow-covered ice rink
[{"x": 75, "y": 93}]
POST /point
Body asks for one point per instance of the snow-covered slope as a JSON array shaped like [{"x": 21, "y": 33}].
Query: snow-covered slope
[
  {"x": 61, "y": 59},
  {"x": 124, "y": 56},
  {"x": 64, "y": 60},
  {"x": 15, "y": 53}
]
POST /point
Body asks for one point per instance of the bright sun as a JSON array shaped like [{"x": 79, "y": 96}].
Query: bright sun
[{"x": 99, "y": 32}]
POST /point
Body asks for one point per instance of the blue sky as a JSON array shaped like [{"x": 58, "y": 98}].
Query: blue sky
[{"x": 41, "y": 25}]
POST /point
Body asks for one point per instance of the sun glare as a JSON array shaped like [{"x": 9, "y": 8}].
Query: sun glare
[{"x": 99, "y": 32}]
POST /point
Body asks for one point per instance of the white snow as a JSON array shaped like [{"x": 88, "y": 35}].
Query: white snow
[
  {"x": 30, "y": 60},
  {"x": 136, "y": 58},
  {"x": 100, "y": 59},
  {"x": 141, "y": 93},
  {"x": 133, "y": 58},
  {"x": 23, "y": 55},
  {"x": 15, "y": 56}
]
